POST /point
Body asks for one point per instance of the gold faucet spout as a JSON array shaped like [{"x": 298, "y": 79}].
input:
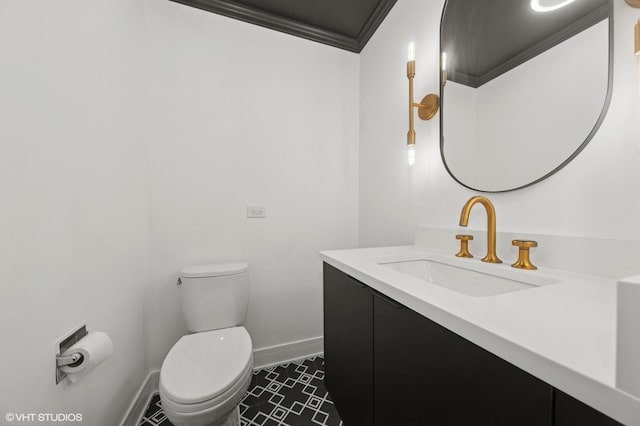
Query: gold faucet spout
[{"x": 491, "y": 256}]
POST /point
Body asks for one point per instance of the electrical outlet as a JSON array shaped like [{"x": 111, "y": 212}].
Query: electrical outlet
[{"x": 256, "y": 212}]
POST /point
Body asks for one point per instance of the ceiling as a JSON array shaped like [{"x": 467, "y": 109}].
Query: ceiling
[
  {"x": 346, "y": 24},
  {"x": 484, "y": 39}
]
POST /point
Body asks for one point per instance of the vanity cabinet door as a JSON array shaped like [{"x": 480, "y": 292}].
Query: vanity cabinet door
[
  {"x": 426, "y": 375},
  {"x": 348, "y": 346},
  {"x": 571, "y": 412}
]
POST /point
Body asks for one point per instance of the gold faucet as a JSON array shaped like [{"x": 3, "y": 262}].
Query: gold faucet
[{"x": 491, "y": 256}]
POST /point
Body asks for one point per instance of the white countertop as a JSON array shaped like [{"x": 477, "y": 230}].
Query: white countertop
[{"x": 562, "y": 333}]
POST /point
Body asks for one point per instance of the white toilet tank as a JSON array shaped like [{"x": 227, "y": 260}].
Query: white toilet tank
[{"x": 214, "y": 296}]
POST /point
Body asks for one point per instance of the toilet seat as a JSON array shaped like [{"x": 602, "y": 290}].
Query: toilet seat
[
  {"x": 223, "y": 402},
  {"x": 203, "y": 369}
]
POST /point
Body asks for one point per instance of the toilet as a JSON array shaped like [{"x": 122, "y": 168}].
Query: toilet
[{"x": 205, "y": 375}]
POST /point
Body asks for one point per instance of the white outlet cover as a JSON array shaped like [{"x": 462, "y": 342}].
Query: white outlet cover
[{"x": 256, "y": 212}]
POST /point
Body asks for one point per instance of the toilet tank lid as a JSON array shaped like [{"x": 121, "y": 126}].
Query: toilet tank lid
[{"x": 214, "y": 270}]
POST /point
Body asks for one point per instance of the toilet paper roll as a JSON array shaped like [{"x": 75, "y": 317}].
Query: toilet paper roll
[{"x": 95, "y": 348}]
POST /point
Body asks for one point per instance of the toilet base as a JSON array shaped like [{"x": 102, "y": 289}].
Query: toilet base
[{"x": 233, "y": 419}]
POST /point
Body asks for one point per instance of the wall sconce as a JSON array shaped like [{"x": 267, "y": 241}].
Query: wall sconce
[
  {"x": 427, "y": 108},
  {"x": 637, "y": 43},
  {"x": 636, "y": 4},
  {"x": 636, "y": 47}
]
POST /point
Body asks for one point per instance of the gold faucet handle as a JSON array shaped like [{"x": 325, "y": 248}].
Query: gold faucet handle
[
  {"x": 464, "y": 245},
  {"x": 523, "y": 254}
]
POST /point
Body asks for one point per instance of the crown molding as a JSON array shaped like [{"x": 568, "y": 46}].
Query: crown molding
[
  {"x": 293, "y": 27},
  {"x": 553, "y": 40},
  {"x": 374, "y": 21}
]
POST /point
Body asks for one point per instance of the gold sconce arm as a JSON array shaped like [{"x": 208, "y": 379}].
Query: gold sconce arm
[
  {"x": 637, "y": 38},
  {"x": 636, "y": 47},
  {"x": 427, "y": 108},
  {"x": 411, "y": 73}
]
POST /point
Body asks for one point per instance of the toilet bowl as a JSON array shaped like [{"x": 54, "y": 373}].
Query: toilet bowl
[{"x": 206, "y": 374}]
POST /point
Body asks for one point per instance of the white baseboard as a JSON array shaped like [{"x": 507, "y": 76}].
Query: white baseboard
[
  {"x": 288, "y": 352},
  {"x": 262, "y": 358},
  {"x": 141, "y": 402}
]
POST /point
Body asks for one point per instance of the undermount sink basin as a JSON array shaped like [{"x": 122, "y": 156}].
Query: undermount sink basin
[{"x": 468, "y": 281}]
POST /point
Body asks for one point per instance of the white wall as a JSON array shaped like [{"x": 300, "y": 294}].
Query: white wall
[
  {"x": 134, "y": 135},
  {"x": 595, "y": 195},
  {"x": 240, "y": 115},
  {"x": 73, "y": 222}
]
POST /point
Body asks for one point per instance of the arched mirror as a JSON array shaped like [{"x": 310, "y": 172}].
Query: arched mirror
[{"x": 525, "y": 87}]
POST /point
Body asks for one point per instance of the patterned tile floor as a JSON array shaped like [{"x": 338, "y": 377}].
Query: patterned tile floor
[{"x": 289, "y": 395}]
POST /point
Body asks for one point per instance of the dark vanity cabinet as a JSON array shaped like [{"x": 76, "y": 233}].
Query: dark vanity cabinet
[
  {"x": 425, "y": 374},
  {"x": 388, "y": 365},
  {"x": 348, "y": 315},
  {"x": 571, "y": 412}
]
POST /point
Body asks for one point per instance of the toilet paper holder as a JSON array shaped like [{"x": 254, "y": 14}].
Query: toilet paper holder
[
  {"x": 68, "y": 359},
  {"x": 74, "y": 358}
]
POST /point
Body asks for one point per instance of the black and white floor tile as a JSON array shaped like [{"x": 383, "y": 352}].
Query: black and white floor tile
[
  {"x": 287, "y": 395},
  {"x": 154, "y": 415}
]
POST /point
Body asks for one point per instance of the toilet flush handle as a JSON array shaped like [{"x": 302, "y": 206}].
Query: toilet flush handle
[{"x": 179, "y": 282}]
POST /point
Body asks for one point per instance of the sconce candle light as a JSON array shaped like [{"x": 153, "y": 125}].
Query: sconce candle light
[
  {"x": 444, "y": 68},
  {"x": 427, "y": 108}
]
